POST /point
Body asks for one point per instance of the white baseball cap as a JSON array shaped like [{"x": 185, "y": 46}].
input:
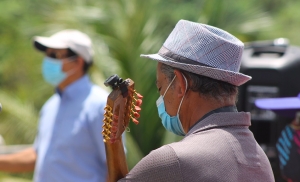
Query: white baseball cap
[{"x": 78, "y": 42}]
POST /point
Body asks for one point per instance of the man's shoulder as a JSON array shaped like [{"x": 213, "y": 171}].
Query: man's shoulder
[
  {"x": 156, "y": 166},
  {"x": 165, "y": 152},
  {"x": 55, "y": 98},
  {"x": 163, "y": 149},
  {"x": 97, "y": 94},
  {"x": 97, "y": 90},
  {"x": 161, "y": 155}
]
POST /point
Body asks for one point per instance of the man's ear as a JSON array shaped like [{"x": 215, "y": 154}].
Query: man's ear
[{"x": 181, "y": 85}]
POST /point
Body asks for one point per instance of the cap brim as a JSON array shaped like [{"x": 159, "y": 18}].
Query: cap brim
[
  {"x": 46, "y": 42},
  {"x": 231, "y": 77}
]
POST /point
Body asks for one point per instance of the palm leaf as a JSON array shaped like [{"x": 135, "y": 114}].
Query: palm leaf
[{"x": 20, "y": 120}]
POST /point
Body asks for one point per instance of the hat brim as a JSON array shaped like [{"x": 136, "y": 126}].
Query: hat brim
[
  {"x": 231, "y": 77},
  {"x": 283, "y": 106},
  {"x": 41, "y": 43}
]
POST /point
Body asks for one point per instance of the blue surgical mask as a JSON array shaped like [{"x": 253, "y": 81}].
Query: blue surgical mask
[
  {"x": 52, "y": 71},
  {"x": 171, "y": 123}
]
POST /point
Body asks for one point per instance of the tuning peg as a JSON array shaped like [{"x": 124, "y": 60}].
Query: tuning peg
[
  {"x": 115, "y": 122},
  {"x": 135, "y": 121},
  {"x": 139, "y": 95},
  {"x": 137, "y": 108},
  {"x": 108, "y": 126},
  {"x": 107, "y": 116},
  {"x": 108, "y": 120},
  {"x": 113, "y": 135},
  {"x": 106, "y": 138},
  {"x": 115, "y": 117},
  {"x": 114, "y": 129},
  {"x": 107, "y": 108},
  {"x": 136, "y": 115},
  {"x": 138, "y": 102},
  {"x": 107, "y": 131}
]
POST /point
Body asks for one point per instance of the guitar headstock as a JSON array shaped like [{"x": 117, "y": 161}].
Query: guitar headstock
[{"x": 123, "y": 104}]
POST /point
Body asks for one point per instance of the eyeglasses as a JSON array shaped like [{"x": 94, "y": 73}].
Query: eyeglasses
[
  {"x": 71, "y": 58},
  {"x": 67, "y": 59},
  {"x": 55, "y": 55},
  {"x": 60, "y": 54}
]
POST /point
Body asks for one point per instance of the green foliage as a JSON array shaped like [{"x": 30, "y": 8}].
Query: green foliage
[
  {"x": 18, "y": 118},
  {"x": 287, "y": 23},
  {"x": 5, "y": 178},
  {"x": 132, "y": 31}
]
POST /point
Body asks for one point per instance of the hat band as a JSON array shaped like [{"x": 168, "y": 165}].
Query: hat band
[{"x": 167, "y": 54}]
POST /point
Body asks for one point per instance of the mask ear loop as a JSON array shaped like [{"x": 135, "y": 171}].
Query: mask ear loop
[
  {"x": 169, "y": 86},
  {"x": 186, "y": 86}
]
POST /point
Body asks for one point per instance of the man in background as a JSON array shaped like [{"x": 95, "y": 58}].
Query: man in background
[
  {"x": 288, "y": 143},
  {"x": 68, "y": 145}
]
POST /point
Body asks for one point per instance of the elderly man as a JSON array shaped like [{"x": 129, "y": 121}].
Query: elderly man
[
  {"x": 198, "y": 78},
  {"x": 68, "y": 146}
]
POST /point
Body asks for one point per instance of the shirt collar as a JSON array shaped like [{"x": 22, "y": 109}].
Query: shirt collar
[
  {"x": 221, "y": 109},
  {"x": 221, "y": 118},
  {"x": 75, "y": 88}
]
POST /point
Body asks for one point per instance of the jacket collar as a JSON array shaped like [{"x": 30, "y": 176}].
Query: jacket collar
[{"x": 221, "y": 119}]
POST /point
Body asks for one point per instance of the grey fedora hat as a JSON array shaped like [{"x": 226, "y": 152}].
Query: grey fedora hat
[{"x": 203, "y": 50}]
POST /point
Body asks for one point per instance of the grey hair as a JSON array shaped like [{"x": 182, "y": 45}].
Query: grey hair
[{"x": 205, "y": 86}]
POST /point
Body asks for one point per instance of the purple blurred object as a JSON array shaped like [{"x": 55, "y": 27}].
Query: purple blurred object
[{"x": 286, "y": 106}]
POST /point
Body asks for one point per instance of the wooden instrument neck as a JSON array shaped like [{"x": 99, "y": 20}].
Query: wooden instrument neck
[{"x": 116, "y": 160}]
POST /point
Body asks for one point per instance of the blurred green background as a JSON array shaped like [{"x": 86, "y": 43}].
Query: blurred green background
[{"x": 121, "y": 30}]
